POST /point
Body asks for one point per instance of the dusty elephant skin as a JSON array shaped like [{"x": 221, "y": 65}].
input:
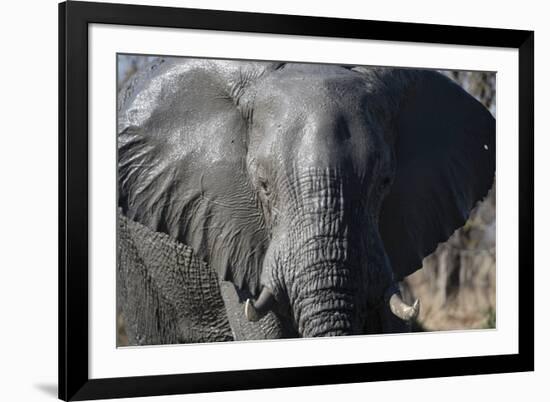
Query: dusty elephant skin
[{"x": 307, "y": 192}]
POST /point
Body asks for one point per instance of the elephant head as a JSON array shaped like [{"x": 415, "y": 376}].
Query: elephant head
[{"x": 314, "y": 189}]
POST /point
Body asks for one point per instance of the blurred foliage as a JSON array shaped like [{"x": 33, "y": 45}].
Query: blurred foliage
[{"x": 491, "y": 320}]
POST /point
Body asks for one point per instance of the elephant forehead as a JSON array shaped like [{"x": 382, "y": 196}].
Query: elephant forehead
[
  {"x": 301, "y": 90},
  {"x": 305, "y": 109}
]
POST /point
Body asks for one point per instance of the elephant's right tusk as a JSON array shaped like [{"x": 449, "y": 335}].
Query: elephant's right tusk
[
  {"x": 254, "y": 310},
  {"x": 402, "y": 309}
]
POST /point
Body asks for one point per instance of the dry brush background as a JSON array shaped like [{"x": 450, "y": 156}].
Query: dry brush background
[{"x": 457, "y": 285}]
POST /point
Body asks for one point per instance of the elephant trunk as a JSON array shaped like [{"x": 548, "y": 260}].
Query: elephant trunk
[
  {"x": 324, "y": 306},
  {"x": 322, "y": 292},
  {"x": 311, "y": 264},
  {"x": 321, "y": 282}
]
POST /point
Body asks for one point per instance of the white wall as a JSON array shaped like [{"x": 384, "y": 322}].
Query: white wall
[{"x": 28, "y": 206}]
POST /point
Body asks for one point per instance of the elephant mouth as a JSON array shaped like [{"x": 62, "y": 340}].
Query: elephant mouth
[{"x": 256, "y": 309}]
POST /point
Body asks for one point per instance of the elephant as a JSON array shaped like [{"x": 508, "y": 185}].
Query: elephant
[{"x": 262, "y": 200}]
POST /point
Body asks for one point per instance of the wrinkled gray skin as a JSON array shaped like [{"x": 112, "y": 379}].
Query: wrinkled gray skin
[{"x": 321, "y": 185}]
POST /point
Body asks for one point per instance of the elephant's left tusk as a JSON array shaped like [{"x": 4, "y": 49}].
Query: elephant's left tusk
[
  {"x": 250, "y": 312},
  {"x": 402, "y": 309},
  {"x": 253, "y": 311}
]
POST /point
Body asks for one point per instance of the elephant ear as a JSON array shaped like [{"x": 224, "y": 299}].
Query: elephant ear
[
  {"x": 182, "y": 143},
  {"x": 445, "y": 154}
]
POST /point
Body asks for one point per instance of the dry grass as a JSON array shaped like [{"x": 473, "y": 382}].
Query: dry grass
[{"x": 457, "y": 306}]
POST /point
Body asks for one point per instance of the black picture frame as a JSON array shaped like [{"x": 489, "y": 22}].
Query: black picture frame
[{"x": 74, "y": 18}]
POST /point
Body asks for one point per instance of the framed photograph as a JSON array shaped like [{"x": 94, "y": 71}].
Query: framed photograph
[{"x": 258, "y": 200}]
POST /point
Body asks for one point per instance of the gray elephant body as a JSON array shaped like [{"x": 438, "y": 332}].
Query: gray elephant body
[{"x": 314, "y": 187}]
